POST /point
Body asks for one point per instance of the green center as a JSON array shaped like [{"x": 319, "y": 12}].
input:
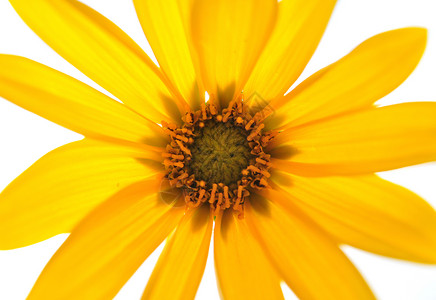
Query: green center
[{"x": 219, "y": 153}]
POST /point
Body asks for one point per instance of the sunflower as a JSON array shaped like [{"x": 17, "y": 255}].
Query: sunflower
[{"x": 209, "y": 142}]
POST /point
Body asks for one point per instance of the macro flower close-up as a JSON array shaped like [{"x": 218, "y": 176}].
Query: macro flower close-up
[{"x": 210, "y": 147}]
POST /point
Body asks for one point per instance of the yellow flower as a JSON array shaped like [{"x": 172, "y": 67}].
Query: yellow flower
[{"x": 283, "y": 179}]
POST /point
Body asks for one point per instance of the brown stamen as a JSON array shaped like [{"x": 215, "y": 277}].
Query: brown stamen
[{"x": 189, "y": 155}]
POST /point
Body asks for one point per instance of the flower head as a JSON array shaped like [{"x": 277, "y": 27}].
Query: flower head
[{"x": 281, "y": 180}]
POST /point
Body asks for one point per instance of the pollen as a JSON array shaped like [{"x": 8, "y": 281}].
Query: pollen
[{"x": 216, "y": 157}]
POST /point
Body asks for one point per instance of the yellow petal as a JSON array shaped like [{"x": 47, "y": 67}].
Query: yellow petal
[
  {"x": 369, "y": 72},
  {"x": 102, "y": 51},
  {"x": 243, "y": 271},
  {"x": 181, "y": 264},
  {"x": 309, "y": 261},
  {"x": 368, "y": 141},
  {"x": 369, "y": 213},
  {"x": 163, "y": 25},
  {"x": 71, "y": 103},
  {"x": 56, "y": 192},
  {"x": 229, "y": 36},
  {"x": 300, "y": 26},
  {"x": 107, "y": 247}
]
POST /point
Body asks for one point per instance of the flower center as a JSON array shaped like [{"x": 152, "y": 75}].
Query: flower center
[
  {"x": 219, "y": 153},
  {"x": 218, "y": 158}
]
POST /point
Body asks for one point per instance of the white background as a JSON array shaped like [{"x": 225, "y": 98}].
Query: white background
[{"x": 24, "y": 137}]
